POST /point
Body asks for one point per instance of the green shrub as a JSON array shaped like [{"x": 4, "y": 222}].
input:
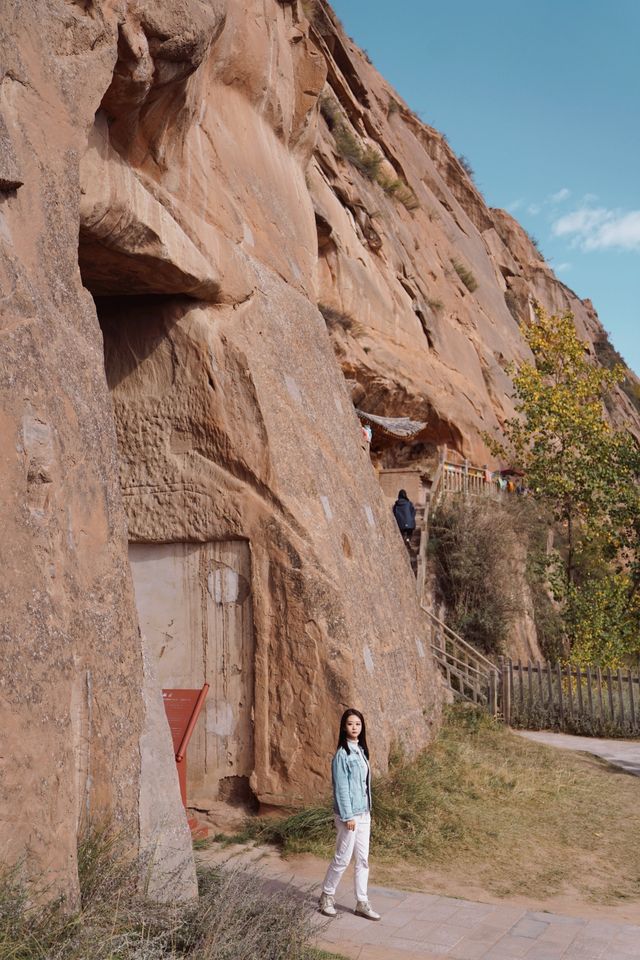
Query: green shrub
[
  {"x": 465, "y": 275},
  {"x": 434, "y": 304},
  {"x": 346, "y": 144}
]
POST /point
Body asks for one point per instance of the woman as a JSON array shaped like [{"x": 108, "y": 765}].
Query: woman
[{"x": 351, "y": 778}]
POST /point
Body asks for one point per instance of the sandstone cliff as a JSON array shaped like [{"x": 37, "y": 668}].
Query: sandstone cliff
[
  {"x": 156, "y": 224},
  {"x": 181, "y": 184},
  {"x": 78, "y": 717},
  {"x": 425, "y": 302}
]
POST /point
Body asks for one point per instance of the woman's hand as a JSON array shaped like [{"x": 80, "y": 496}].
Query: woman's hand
[{"x": 350, "y": 824}]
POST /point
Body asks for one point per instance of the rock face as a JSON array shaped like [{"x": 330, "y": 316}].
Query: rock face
[
  {"x": 157, "y": 153},
  {"x": 424, "y": 303},
  {"x": 76, "y": 730},
  {"x": 167, "y": 179},
  {"x": 238, "y": 441}
]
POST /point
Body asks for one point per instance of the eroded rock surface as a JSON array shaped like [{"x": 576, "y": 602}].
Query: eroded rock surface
[
  {"x": 172, "y": 156},
  {"x": 235, "y": 424},
  {"x": 73, "y": 728},
  {"x": 405, "y": 325}
]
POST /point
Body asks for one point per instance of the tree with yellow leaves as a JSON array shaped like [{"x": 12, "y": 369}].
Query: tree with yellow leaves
[{"x": 574, "y": 459}]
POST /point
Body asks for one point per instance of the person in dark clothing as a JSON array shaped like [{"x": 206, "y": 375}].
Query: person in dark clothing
[{"x": 405, "y": 514}]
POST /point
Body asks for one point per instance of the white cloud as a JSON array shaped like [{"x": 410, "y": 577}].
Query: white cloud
[
  {"x": 562, "y": 194},
  {"x": 533, "y": 208},
  {"x": 596, "y": 228},
  {"x": 581, "y": 222},
  {"x": 562, "y": 267},
  {"x": 515, "y": 205},
  {"x": 622, "y": 231}
]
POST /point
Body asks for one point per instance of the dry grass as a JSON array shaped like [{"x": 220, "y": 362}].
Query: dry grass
[
  {"x": 401, "y": 191},
  {"x": 465, "y": 275},
  {"x": 512, "y": 817},
  {"x": 237, "y": 915},
  {"x": 368, "y": 160},
  {"x": 335, "y": 318}
]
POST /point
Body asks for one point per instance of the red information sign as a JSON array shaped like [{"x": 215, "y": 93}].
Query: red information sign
[{"x": 183, "y": 709}]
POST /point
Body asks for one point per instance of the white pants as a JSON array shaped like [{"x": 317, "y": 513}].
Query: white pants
[{"x": 348, "y": 841}]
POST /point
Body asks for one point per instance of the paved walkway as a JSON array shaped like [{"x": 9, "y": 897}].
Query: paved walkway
[
  {"x": 621, "y": 753},
  {"x": 422, "y": 926}
]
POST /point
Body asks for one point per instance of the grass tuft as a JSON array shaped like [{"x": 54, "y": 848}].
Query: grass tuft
[
  {"x": 400, "y": 191},
  {"x": 466, "y": 166},
  {"x": 367, "y": 160},
  {"x": 335, "y": 318},
  {"x": 465, "y": 275}
]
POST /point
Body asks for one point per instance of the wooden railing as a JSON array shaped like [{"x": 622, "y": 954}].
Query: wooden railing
[
  {"x": 467, "y": 479},
  {"x": 432, "y": 497},
  {"x": 468, "y": 672}
]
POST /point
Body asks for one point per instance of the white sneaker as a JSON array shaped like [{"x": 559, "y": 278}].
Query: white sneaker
[
  {"x": 326, "y": 905},
  {"x": 364, "y": 909}
]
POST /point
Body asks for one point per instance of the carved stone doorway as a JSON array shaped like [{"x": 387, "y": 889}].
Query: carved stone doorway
[{"x": 194, "y": 606}]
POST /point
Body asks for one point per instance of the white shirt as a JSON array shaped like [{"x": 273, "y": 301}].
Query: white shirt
[{"x": 355, "y": 748}]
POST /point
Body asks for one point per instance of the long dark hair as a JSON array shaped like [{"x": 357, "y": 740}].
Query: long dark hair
[{"x": 362, "y": 739}]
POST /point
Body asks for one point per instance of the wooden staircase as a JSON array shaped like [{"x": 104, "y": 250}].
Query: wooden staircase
[{"x": 469, "y": 674}]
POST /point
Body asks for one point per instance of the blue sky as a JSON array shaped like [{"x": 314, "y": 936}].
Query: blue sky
[{"x": 544, "y": 101}]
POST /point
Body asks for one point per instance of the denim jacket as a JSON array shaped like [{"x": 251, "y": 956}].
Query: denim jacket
[{"x": 350, "y": 798}]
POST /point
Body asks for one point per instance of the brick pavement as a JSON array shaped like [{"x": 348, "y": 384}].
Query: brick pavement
[{"x": 422, "y": 926}]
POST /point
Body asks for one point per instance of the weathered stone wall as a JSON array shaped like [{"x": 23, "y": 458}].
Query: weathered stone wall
[
  {"x": 233, "y": 418},
  {"x": 75, "y": 727},
  {"x": 187, "y": 195}
]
